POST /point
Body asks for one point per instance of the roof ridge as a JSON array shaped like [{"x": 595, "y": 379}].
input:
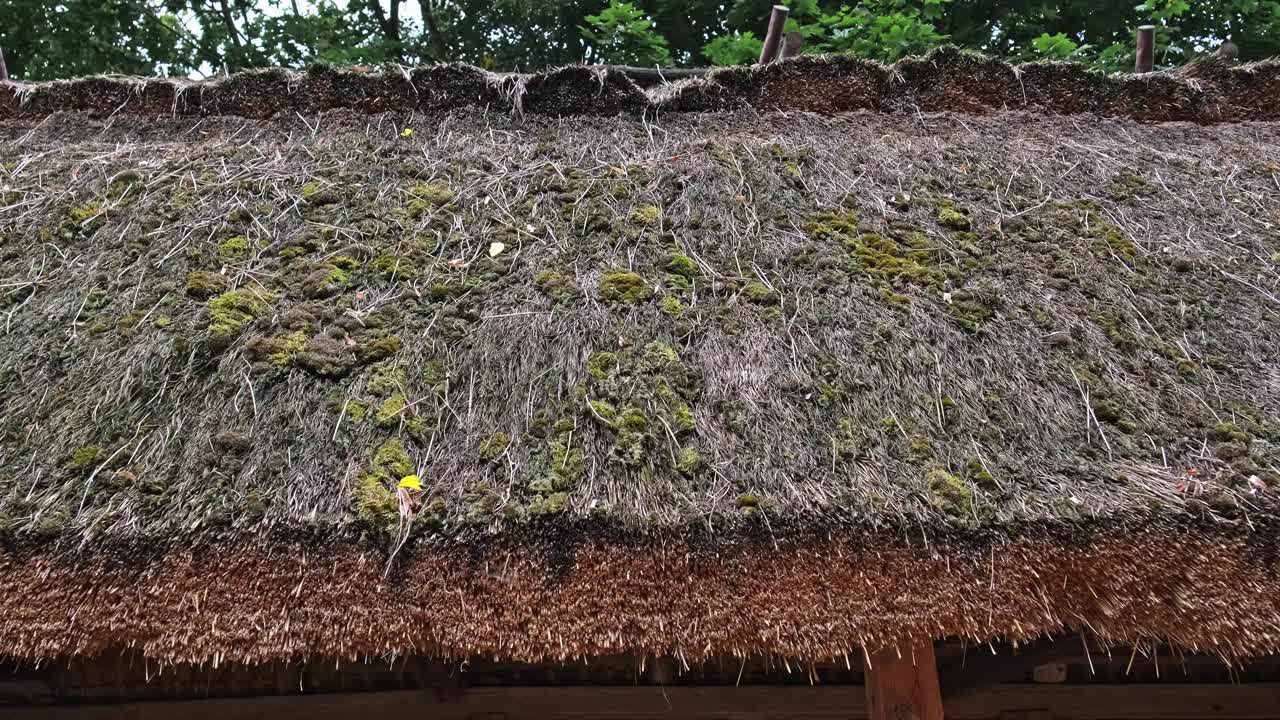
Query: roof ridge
[{"x": 946, "y": 79}]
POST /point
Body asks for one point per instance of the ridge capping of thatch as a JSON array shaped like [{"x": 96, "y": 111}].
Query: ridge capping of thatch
[{"x": 946, "y": 79}]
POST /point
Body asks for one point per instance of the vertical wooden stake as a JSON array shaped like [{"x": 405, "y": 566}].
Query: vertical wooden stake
[
  {"x": 791, "y": 44},
  {"x": 906, "y": 687},
  {"x": 1145, "y": 61},
  {"x": 4, "y": 70},
  {"x": 773, "y": 36}
]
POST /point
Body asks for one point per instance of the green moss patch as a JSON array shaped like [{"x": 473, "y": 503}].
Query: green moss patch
[
  {"x": 325, "y": 281},
  {"x": 234, "y": 249},
  {"x": 973, "y": 308},
  {"x": 642, "y": 396},
  {"x": 392, "y": 411},
  {"x": 376, "y": 349},
  {"x": 1105, "y": 398},
  {"x": 624, "y": 287},
  {"x": 233, "y": 311},
  {"x": 1226, "y": 431},
  {"x": 204, "y": 285},
  {"x": 375, "y": 504},
  {"x": 1086, "y": 218},
  {"x": 279, "y": 350},
  {"x": 84, "y": 459},
  {"x": 394, "y": 266},
  {"x": 386, "y": 378},
  {"x": 673, "y": 307},
  {"x": 645, "y": 216},
  {"x": 849, "y": 440},
  {"x": 1128, "y": 185},
  {"x": 681, "y": 265},
  {"x": 688, "y": 462},
  {"x": 423, "y": 196},
  {"x": 493, "y": 446},
  {"x": 949, "y": 494},
  {"x": 760, "y": 294},
  {"x": 904, "y": 257},
  {"x": 316, "y": 195},
  {"x": 953, "y": 216},
  {"x": 979, "y": 475},
  {"x": 556, "y": 286},
  {"x": 752, "y": 506}
]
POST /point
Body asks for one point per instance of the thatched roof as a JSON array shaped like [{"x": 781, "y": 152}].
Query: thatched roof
[{"x": 691, "y": 383}]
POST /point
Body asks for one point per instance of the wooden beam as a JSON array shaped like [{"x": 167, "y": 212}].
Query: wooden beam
[
  {"x": 773, "y": 36},
  {"x": 904, "y": 685},
  {"x": 1144, "y": 61},
  {"x": 441, "y": 680},
  {"x": 979, "y": 669},
  {"x": 654, "y": 76},
  {"x": 1168, "y": 701}
]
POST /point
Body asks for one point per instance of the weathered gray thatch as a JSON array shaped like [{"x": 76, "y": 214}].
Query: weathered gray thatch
[{"x": 701, "y": 382}]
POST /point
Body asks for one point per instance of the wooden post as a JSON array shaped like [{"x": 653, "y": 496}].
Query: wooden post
[
  {"x": 4, "y": 70},
  {"x": 1145, "y": 61},
  {"x": 906, "y": 687},
  {"x": 773, "y": 36},
  {"x": 791, "y": 44}
]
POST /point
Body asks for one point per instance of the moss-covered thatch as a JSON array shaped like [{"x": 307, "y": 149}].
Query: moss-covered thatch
[{"x": 607, "y": 358}]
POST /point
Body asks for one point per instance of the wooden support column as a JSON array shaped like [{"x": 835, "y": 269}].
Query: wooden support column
[
  {"x": 904, "y": 687},
  {"x": 773, "y": 35},
  {"x": 1145, "y": 59}
]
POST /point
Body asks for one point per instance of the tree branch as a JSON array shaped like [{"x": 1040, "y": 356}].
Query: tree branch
[
  {"x": 390, "y": 26},
  {"x": 438, "y": 45},
  {"x": 232, "y": 34}
]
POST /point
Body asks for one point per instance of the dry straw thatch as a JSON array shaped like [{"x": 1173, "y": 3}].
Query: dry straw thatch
[{"x": 694, "y": 382}]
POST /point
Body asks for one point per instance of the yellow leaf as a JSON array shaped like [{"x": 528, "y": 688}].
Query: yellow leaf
[
  {"x": 496, "y": 248},
  {"x": 411, "y": 481},
  {"x": 407, "y": 132}
]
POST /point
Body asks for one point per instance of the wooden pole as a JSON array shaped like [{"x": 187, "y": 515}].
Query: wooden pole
[
  {"x": 773, "y": 36},
  {"x": 1145, "y": 61},
  {"x": 906, "y": 687},
  {"x": 791, "y": 44},
  {"x": 4, "y": 70}
]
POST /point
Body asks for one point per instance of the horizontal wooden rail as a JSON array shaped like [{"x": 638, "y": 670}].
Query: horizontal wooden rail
[
  {"x": 1169, "y": 701},
  {"x": 654, "y": 76}
]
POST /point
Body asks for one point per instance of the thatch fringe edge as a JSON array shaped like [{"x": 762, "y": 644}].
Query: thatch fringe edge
[{"x": 816, "y": 601}]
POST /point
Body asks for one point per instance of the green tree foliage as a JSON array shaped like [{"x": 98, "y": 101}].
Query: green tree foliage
[
  {"x": 734, "y": 49},
  {"x": 883, "y": 30},
  {"x": 622, "y": 34},
  {"x": 328, "y": 34},
  {"x": 68, "y": 38},
  {"x": 1185, "y": 29},
  {"x": 1056, "y": 46}
]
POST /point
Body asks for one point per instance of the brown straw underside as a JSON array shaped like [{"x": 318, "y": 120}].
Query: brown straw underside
[{"x": 816, "y": 601}]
